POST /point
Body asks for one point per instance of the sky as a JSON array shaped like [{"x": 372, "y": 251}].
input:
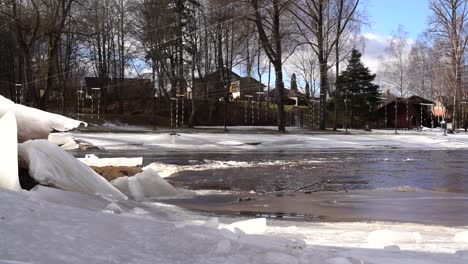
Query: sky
[{"x": 384, "y": 17}]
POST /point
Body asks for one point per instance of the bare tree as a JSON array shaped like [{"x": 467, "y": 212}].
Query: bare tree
[
  {"x": 449, "y": 24},
  {"x": 322, "y": 22},
  {"x": 268, "y": 21},
  {"x": 395, "y": 63}
]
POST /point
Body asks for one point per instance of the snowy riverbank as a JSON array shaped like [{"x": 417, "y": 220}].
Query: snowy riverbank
[
  {"x": 196, "y": 142},
  {"x": 85, "y": 230}
]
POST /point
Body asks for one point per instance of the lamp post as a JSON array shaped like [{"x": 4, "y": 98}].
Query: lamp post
[
  {"x": 346, "y": 111},
  {"x": 155, "y": 96},
  {"x": 79, "y": 106},
  {"x": 464, "y": 124},
  {"x": 385, "y": 108},
  {"x": 95, "y": 90},
  {"x": 421, "y": 118},
  {"x": 249, "y": 99},
  {"x": 18, "y": 87},
  {"x": 259, "y": 95},
  {"x": 396, "y": 114}
]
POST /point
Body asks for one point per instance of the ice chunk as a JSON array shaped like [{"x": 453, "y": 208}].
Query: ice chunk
[
  {"x": 70, "y": 145},
  {"x": 461, "y": 237},
  {"x": 34, "y": 123},
  {"x": 50, "y": 165},
  {"x": 252, "y": 226},
  {"x": 60, "y": 139},
  {"x": 212, "y": 223},
  {"x": 122, "y": 185},
  {"x": 148, "y": 184},
  {"x": 93, "y": 160},
  {"x": 382, "y": 238},
  {"x": 67, "y": 198},
  {"x": 9, "y": 153}
]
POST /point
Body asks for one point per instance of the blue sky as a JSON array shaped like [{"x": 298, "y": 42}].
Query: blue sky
[{"x": 386, "y": 15}]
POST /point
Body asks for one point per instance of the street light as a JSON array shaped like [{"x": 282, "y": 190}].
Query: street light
[
  {"x": 249, "y": 99},
  {"x": 463, "y": 114},
  {"x": 385, "y": 108},
  {"x": 98, "y": 99},
  {"x": 421, "y": 121},
  {"x": 259, "y": 95},
  {"x": 18, "y": 87}
]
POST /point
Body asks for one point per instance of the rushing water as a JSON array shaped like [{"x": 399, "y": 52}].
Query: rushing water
[
  {"x": 392, "y": 185},
  {"x": 438, "y": 170}
]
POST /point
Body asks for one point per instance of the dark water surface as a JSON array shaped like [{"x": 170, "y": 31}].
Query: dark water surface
[
  {"x": 438, "y": 170},
  {"x": 429, "y": 187}
]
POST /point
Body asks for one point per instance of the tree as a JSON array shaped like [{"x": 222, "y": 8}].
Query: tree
[
  {"x": 322, "y": 23},
  {"x": 449, "y": 25},
  {"x": 396, "y": 64},
  {"x": 269, "y": 30},
  {"x": 294, "y": 82},
  {"x": 355, "y": 85}
]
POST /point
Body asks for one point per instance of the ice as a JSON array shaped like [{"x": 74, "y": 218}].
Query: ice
[
  {"x": 93, "y": 160},
  {"x": 461, "y": 237},
  {"x": 38, "y": 231},
  {"x": 383, "y": 238},
  {"x": 9, "y": 153},
  {"x": 144, "y": 185},
  {"x": 60, "y": 139},
  {"x": 212, "y": 223},
  {"x": 196, "y": 142},
  {"x": 252, "y": 226},
  {"x": 68, "y": 198},
  {"x": 34, "y": 123},
  {"x": 70, "y": 145},
  {"x": 50, "y": 165}
]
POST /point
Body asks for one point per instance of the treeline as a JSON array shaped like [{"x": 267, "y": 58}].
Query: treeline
[{"x": 48, "y": 46}]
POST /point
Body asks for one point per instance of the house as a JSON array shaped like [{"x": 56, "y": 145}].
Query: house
[
  {"x": 290, "y": 96},
  {"x": 212, "y": 86},
  {"x": 411, "y": 112}
]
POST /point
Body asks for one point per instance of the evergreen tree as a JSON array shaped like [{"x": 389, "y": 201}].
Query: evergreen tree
[
  {"x": 356, "y": 85},
  {"x": 307, "y": 90},
  {"x": 294, "y": 82}
]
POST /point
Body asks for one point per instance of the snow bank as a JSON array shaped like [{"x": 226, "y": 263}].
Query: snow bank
[
  {"x": 34, "y": 123},
  {"x": 9, "y": 153},
  {"x": 50, "y": 165},
  {"x": 461, "y": 237},
  {"x": 43, "y": 232},
  {"x": 144, "y": 185},
  {"x": 271, "y": 142},
  {"x": 385, "y": 238},
  {"x": 93, "y": 160}
]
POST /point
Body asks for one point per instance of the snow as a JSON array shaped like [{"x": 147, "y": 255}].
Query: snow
[
  {"x": 385, "y": 238},
  {"x": 9, "y": 153},
  {"x": 34, "y": 123},
  {"x": 54, "y": 226},
  {"x": 209, "y": 142},
  {"x": 93, "y": 160},
  {"x": 50, "y": 165},
  {"x": 252, "y": 226}
]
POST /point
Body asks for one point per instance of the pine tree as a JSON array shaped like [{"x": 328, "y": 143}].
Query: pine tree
[
  {"x": 294, "y": 82},
  {"x": 356, "y": 85}
]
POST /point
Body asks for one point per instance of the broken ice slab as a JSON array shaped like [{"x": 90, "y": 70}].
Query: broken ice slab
[{"x": 9, "y": 153}]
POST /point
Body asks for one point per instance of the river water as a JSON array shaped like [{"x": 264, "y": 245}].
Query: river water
[{"x": 361, "y": 185}]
